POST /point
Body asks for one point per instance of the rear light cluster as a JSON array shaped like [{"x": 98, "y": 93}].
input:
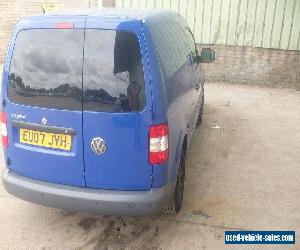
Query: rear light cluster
[
  {"x": 3, "y": 125},
  {"x": 158, "y": 144}
]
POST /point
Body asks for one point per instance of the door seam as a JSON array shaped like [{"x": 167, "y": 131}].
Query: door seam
[{"x": 82, "y": 95}]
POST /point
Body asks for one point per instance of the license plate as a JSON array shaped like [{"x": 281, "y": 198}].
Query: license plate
[{"x": 45, "y": 139}]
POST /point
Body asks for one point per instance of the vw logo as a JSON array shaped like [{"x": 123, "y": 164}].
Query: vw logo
[
  {"x": 44, "y": 121},
  {"x": 98, "y": 145}
]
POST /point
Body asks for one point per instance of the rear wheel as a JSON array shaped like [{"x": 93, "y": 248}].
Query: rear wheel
[{"x": 176, "y": 202}]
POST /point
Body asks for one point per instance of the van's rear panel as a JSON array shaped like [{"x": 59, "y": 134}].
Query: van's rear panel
[
  {"x": 51, "y": 163},
  {"x": 43, "y": 105},
  {"x": 66, "y": 85},
  {"x": 124, "y": 164},
  {"x": 116, "y": 107}
]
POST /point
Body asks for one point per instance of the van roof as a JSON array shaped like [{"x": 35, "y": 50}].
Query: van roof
[{"x": 117, "y": 14}]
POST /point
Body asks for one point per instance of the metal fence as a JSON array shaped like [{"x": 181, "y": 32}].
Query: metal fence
[{"x": 256, "y": 23}]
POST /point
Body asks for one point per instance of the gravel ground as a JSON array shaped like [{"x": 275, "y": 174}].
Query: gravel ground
[{"x": 243, "y": 172}]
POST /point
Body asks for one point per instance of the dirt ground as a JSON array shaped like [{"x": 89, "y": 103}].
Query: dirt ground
[{"x": 243, "y": 173}]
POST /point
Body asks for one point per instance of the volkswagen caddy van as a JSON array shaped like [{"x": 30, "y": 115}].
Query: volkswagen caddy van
[{"x": 98, "y": 109}]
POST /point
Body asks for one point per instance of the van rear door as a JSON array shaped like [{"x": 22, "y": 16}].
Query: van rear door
[
  {"x": 43, "y": 103},
  {"x": 116, "y": 115}
]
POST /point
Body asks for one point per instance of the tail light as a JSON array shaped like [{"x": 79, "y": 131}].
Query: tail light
[
  {"x": 158, "y": 144},
  {"x": 3, "y": 125}
]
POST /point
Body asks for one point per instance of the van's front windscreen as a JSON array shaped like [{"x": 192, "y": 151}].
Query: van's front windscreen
[{"x": 100, "y": 70}]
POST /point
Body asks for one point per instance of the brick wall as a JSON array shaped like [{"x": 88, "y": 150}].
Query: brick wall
[
  {"x": 248, "y": 65},
  {"x": 233, "y": 64}
]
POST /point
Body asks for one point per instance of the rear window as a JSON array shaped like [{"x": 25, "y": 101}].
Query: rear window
[
  {"x": 46, "y": 69},
  {"x": 113, "y": 73},
  {"x": 100, "y": 70}
]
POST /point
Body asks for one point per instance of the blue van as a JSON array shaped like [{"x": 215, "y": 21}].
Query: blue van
[{"x": 98, "y": 109}]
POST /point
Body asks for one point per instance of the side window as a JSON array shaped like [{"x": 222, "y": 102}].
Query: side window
[
  {"x": 171, "y": 45},
  {"x": 163, "y": 46},
  {"x": 191, "y": 40},
  {"x": 188, "y": 38}
]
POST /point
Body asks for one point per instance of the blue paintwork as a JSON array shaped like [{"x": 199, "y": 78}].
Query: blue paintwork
[
  {"x": 34, "y": 162},
  {"x": 125, "y": 165},
  {"x": 176, "y": 101}
]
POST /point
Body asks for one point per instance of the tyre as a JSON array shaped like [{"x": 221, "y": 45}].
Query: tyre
[{"x": 176, "y": 202}]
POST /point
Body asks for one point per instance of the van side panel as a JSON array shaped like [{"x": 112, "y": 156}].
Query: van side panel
[
  {"x": 159, "y": 106},
  {"x": 172, "y": 63}
]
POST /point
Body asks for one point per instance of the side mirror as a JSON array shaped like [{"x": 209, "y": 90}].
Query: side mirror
[{"x": 207, "y": 56}]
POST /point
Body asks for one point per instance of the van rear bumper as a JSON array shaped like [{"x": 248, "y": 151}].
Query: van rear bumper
[{"x": 100, "y": 201}]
